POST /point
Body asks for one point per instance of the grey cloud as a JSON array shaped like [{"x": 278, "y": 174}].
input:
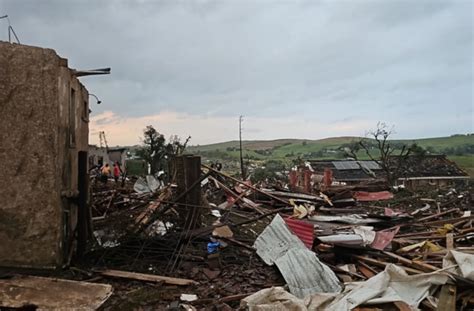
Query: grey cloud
[{"x": 322, "y": 60}]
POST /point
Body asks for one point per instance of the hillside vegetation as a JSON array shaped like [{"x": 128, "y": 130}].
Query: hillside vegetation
[{"x": 459, "y": 148}]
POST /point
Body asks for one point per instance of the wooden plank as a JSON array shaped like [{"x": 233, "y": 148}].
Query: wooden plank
[
  {"x": 365, "y": 271},
  {"x": 439, "y": 214},
  {"x": 402, "y": 306},
  {"x": 147, "y": 277},
  {"x": 144, "y": 217},
  {"x": 383, "y": 264},
  {"x": 238, "y": 197},
  {"x": 248, "y": 186},
  {"x": 240, "y": 243},
  {"x": 447, "y": 298},
  {"x": 448, "y": 221},
  {"x": 415, "y": 264},
  {"x": 338, "y": 269}
]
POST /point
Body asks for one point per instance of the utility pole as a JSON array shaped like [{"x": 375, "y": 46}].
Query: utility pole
[{"x": 242, "y": 169}]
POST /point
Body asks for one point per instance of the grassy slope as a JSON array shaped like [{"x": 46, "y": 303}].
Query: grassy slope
[{"x": 282, "y": 147}]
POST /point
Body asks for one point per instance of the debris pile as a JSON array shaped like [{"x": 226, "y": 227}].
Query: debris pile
[{"x": 242, "y": 246}]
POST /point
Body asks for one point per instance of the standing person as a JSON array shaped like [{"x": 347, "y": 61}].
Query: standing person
[
  {"x": 117, "y": 171},
  {"x": 105, "y": 173}
]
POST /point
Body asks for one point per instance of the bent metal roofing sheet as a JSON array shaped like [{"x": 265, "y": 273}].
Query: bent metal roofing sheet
[{"x": 300, "y": 267}]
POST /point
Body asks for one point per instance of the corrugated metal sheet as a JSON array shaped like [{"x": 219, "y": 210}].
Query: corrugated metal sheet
[
  {"x": 304, "y": 230},
  {"x": 344, "y": 239},
  {"x": 348, "y": 219},
  {"x": 275, "y": 240},
  {"x": 300, "y": 267},
  {"x": 346, "y": 165},
  {"x": 370, "y": 165},
  {"x": 364, "y": 196},
  {"x": 305, "y": 274},
  {"x": 356, "y": 165},
  {"x": 383, "y": 238}
]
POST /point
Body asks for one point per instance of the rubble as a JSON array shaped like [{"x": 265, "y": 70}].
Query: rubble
[
  {"x": 39, "y": 292},
  {"x": 242, "y": 246}
]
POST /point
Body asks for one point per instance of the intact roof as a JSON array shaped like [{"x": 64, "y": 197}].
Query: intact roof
[{"x": 349, "y": 170}]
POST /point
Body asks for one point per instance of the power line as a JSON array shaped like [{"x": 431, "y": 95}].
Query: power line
[{"x": 242, "y": 169}]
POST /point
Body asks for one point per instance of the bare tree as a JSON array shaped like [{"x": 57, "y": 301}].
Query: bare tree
[
  {"x": 175, "y": 147},
  {"x": 378, "y": 148}
]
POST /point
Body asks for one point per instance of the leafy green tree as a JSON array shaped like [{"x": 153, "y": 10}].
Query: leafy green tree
[
  {"x": 270, "y": 170},
  {"x": 156, "y": 151}
]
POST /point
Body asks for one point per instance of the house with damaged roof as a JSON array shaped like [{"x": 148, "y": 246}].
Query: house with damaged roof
[
  {"x": 415, "y": 172},
  {"x": 435, "y": 171}
]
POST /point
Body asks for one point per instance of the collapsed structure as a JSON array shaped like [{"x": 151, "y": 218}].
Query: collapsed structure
[
  {"x": 208, "y": 238},
  {"x": 416, "y": 172}
]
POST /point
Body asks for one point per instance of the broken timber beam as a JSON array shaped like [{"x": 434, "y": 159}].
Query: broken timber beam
[
  {"x": 248, "y": 186},
  {"x": 146, "y": 277},
  {"x": 383, "y": 264},
  {"x": 438, "y": 214},
  {"x": 236, "y": 196},
  {"x": 413, "y": 263},
  {"x": 447, "y": 298}
]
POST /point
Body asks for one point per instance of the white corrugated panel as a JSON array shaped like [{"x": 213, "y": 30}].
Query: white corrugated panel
[
  {"x": 300, "y": 267},
  {"x": 305, "y": 274},
  {"x": 275, "y": 240}
]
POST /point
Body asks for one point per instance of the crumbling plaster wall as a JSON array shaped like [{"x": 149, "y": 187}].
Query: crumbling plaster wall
[
  {"x": 68, "y": 151},
  {"x": 30, "y": 214},
  {"x": 37, "y": 163}
]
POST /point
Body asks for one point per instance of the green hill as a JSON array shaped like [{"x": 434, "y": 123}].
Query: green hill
[{"x": 458, "y": 147}]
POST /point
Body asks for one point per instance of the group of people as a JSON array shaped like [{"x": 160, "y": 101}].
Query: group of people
[{"x": 105, "y": 172}]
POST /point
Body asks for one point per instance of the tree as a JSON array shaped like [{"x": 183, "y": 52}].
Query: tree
[
  {"x": 156, "y": 151},
  {"x": 175, "y": 147},
  {"x": 385, "y": 153},
  {"x": 271, "y": 170}
]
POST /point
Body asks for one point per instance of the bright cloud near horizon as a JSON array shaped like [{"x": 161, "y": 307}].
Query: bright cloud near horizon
[{"x": 293, "y": 69}]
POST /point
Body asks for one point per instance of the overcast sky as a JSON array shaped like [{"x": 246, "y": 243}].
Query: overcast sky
[{"x": 294, "y": 69}]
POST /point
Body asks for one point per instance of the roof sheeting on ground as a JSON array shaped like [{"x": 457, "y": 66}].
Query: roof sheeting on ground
[
  {"x": 300, "y": 267},
  {"x": 275, "y": 240},
  {"x": 391, "y": 285},
  {"x": 303, "y": 229},
  {"x": 305, "y": 274},
  {"x": 348, "y": 219},
  {"x": 364, "y": 196}
]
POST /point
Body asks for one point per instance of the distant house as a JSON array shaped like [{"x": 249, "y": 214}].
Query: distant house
[
  {"x": 430, "y": 170},
  {"x": 415, "y": 172},
  {"x": 117, "y": 154},
  {"x": 97, "y": 156},
  {"x": 100, "y": 156},
  {"x": 349, "y": 172}
]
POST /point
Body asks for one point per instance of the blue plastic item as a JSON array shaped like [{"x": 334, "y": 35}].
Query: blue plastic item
[{"x": 212, "y": 247}]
